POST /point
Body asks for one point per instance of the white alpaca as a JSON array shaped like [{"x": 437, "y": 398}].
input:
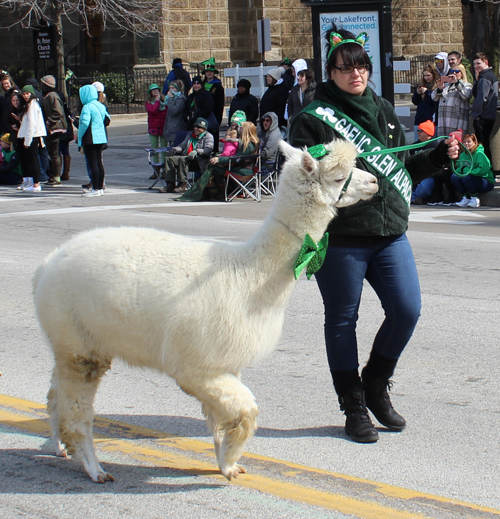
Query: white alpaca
[{"x": 222, "y": 306}]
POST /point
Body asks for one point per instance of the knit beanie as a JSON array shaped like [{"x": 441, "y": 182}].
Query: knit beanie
[
  {"x": 28, "y": 88},
  {"x": 98, "y": 86},
  {"x": 197, "y": 79},
  {"x": 427, "y": 127},
  {"x": 276, "y": 73},
  {"x": 49, "y": 81},
  {"x": 6, "y": 138},
  {"x": 245, "y": 83},
  {"x": 176, "y": 85},
  {"x": 239, "y": 117}
]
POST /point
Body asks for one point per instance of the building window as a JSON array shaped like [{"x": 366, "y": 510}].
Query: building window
[{"x": 148, "y": 46}]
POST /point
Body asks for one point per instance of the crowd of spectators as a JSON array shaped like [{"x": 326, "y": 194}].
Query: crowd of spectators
[
  {"x": 36, "y": 123},
  {"x": 447, "y": 99}
]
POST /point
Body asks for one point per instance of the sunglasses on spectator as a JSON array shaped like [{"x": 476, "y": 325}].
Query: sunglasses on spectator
[
  {"x": 266, "y": 120},
  {"x": 453, "y": 71},
  {"x": 349, "y": 69}
]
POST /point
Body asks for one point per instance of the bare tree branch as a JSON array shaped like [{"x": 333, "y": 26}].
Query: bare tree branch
[{"x": 135, "y": 16}]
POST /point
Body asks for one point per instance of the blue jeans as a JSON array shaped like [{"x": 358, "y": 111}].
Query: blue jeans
[
  {"x": 471, "y": 184},
  {"x": 424, "y": 189},
  {"x": 390, "y": 269}
]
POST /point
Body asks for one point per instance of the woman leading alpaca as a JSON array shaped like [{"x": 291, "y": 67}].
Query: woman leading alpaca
[{"x": 367, "y": 240}]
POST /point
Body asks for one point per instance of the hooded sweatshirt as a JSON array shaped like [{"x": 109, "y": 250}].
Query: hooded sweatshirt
[
  {"x": 92, "y": 116},
  {"x": 446, "y": 65},
  {"x": 298, "y": 65},
  {"x": 485, "y": 92},
  {"x": 481, "y": 166},
  {"x": 269, "y": 141}
]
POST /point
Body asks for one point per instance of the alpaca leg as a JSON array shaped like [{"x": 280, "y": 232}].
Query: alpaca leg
[
  {"x": 232, "y": 416},
  {"x": 52, "y": 397},
  {"x": 79, "y": 378}
]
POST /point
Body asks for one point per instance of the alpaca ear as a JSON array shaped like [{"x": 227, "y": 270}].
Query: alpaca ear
[
  {"x": 289, "y": 151},
  {"x": 310, "y": 165}
]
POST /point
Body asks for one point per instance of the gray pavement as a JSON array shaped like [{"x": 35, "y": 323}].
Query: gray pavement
[{"x": 447, "y": 383}]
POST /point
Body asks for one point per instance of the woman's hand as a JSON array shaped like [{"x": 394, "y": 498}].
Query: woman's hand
[
  {"x": 421, "y": 90},
  {"x": 214, "y": 160},
  {"x": 440, "y": 84},
  {"x": 453, "y": 147}
]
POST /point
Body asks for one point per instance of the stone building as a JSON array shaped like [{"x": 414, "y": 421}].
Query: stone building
[{"x": 226, "y": 29}]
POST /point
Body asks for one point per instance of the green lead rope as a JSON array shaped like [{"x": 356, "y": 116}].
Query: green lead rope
[{"x": 319, "y": 151}]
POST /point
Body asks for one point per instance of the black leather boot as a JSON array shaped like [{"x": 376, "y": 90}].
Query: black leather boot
[
  {"x": 358, "y": 425},
  {"x": 379, "y": 403}
]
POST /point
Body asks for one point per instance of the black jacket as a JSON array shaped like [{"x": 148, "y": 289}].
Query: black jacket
[
  {"x": 217, "y": 92},
  {"x": 248, "y": 103},
  {"x": 274, "y": 100},
  {"x": 199, "y": 104},
  {"x": 386, "y": 213}
]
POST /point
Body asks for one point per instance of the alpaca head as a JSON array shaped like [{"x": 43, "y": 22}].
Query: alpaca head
[{"x": 326, "y": 180}]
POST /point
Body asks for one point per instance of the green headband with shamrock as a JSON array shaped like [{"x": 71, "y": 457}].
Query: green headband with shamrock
[{"x": 336, "y": 40}]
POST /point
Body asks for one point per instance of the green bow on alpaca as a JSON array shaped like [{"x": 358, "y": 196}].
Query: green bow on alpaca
[{"x": 311, "y": 255}]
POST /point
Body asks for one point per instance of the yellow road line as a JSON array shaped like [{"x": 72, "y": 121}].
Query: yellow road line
[{"x": 109, "y": 437}]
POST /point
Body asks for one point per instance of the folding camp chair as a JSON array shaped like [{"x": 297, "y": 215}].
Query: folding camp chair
[
  {"x": 158, "y": 167},
  {"x": 243, "y": 185},
  {"x": 269, "y": 174}
]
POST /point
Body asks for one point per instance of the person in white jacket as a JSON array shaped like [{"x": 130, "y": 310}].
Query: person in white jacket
[{"x": 31, "y": 130}]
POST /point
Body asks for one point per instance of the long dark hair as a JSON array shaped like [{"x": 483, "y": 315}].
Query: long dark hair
[{"x": 351, "y": 53}]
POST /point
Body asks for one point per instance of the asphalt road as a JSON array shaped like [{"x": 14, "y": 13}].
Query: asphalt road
[{"x": 152, "y": 437}]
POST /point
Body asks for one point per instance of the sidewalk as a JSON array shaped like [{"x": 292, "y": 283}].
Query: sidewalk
[{"x": 136, "y": 124}]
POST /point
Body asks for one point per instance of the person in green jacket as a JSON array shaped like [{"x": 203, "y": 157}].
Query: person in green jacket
[
  {"x": 478, "y": 177},
  {"x": 367, "y": 240}
]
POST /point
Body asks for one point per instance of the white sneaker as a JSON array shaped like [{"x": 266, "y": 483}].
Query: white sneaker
[
  {"x": 464, "y": 202},
  {"x": 92, "y": 192},
  {"x": 474, "y": 202},
  {"x": 25, "y": 183},
  {"x": 32, "y": 189},
  {"x": 101, "y": 191}
]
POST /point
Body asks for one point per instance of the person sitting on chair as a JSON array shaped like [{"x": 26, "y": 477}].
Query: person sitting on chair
[
  {"x": 270, "y": 137},
  {"x": 193, "y": 152}
]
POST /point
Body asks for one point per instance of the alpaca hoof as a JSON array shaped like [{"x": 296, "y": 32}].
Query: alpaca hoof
[
  {"x": 233, "y": 471},
  {"x": 61, "y": 452},
  {"x": 102, "y": 477}
]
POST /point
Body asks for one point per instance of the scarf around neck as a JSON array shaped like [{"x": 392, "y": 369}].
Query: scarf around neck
[{"x": 363, "y": 109}]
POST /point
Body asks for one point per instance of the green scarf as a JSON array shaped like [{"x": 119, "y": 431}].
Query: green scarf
[{"x": 363, "y": 109}]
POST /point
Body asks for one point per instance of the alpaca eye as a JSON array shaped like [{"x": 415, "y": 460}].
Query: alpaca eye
[{"x": 339, "y": 180}]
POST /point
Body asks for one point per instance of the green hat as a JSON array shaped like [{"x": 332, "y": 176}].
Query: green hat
[
  {"x": 152, "y": 86},
  {"x": 210, "y": 65},
  {"x": 201, "y": 123},
  {"x": 28, "y": 88},
  {"x": 239, "y": 117}
]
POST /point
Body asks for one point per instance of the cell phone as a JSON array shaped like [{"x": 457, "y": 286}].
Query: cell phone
[{"x": 445, "y": 79}]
